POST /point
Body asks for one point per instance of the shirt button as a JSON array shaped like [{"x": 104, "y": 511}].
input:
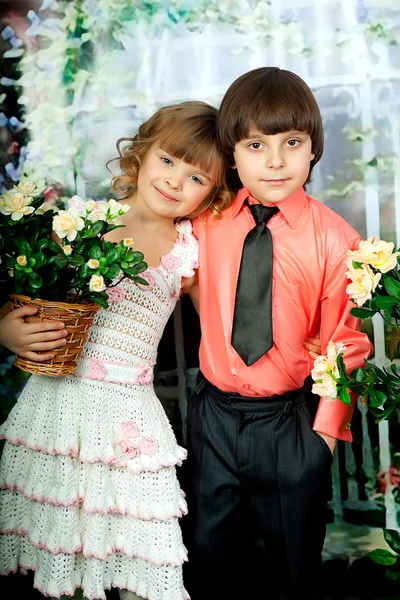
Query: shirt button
[{"x": 246, "y": 386}]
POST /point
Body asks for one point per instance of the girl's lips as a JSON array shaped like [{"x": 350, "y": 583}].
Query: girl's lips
[
  {"x": 166, "y": 196},
  {"x": 276, "y": 181}
]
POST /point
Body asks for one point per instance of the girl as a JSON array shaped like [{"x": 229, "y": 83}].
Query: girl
[{"x": 90, "y": 498}]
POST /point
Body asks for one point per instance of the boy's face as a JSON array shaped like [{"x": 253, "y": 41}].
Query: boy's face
[{"x": 273, "y": 167}]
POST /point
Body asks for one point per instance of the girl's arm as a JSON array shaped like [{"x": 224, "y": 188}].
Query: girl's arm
[
  {"x": 27, "y": 336},
  {"x": 190, "y": 285}
]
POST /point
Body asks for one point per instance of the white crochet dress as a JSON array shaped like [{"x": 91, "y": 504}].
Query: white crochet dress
[{"x": 89, "y": 493}]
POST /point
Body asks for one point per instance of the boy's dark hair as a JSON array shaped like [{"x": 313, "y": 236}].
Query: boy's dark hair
[{"x": 274, "y": 101}]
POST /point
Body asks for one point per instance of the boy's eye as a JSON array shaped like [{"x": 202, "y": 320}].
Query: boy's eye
[
  {"x": 166, "y": 160},
  {"x": 196, "y": 179},
  {"x": 255, "y": 145},
  {"x": 293, "y": 143}
]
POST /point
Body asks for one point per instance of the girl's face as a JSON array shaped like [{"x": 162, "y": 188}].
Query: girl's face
[{"x": 171, "y": 187}]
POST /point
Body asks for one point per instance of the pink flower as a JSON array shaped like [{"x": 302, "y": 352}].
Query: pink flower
[
  {"x": 96, "y": 369},
  {"x": 115, "y": 294},
  {"x": 145, "y": 375},
  {"x": 130, "y": 429},
  {"x": 183, "y": 239},
  {"x": 148, "y": 445},
  {"x": 149, "y": 277},
  {"x": 170, "y": 262},
  {"x": 128, "y": 449}
]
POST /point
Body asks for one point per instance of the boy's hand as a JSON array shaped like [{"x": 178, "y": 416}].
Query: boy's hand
[
  {"x": 30, "y": 338},
  {"x": 331, "y": 441},
  {"x": 313, "y": 345}
]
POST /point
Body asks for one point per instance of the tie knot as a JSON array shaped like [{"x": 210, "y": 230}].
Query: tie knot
[{"x": 261, "y": 213}]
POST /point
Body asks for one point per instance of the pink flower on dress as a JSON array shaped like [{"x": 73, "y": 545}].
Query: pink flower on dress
[
  {"x": 145, "y": 376},
  {"x": 148, "y": 445},
  {"x": 183, "y": 239},
  {"x": 149, "y": 277},
  {"x": 115, "y": 294},
  {"x": 130, "y": 429},
  {"x": 129, "y": 449},
  {"x": 171, "y": 262},
  {"x": 96, "y": 369}
]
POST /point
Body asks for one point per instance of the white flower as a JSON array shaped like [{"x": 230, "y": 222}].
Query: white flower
[
  {"x": 377, "y": 253},
  {"x": 45, "y": 207},
  {"x": 325, "y": 387},
  {"x": 128, "y": 242},
  {"x": 90, "y": 206},
  {"x": 93, "y": 263},
  {"x": 67, "y": 223},
  {"x": 328, "y": 363},
  {"x": 96, "y": 283},
  {"x": 109, "y": 211},
  {"x": 16, "y": 205},
  {"x": 363, "y": 283},
  {"x": 27, "y": 188},
  {"x": 78, "y": 203},
  {"x": 67, "y": 249},
  {"x": 21, "y": 260}
]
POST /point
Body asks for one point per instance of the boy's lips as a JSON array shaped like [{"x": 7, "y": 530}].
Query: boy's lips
[
  {"x": 165, "y": 195},
  {"x": 276, "y": 181}
]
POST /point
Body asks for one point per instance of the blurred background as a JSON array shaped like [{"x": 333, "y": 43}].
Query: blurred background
[{"x": 77, "y": 75}]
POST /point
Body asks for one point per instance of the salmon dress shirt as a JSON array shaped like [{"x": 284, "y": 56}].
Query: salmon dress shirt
[{"x": 310, "y": 243}]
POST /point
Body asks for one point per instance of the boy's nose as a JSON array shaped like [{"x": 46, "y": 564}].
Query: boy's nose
[{"x": 275, "y": 160}]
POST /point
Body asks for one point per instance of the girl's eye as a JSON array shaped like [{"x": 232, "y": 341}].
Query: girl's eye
[
  {"x": 196, "y": 179},
  {"x": 293, "y": 143},
  {"x": 166, "y": 160},
  {"x": 255, "y": 145}
]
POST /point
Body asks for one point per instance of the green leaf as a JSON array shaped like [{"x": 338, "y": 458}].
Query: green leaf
[
  {"x": 141, "y": 281},
  {"x": 112, "y": 256},
  {"x": 382, "y": 557},
  {"x": 95, "y": 230},
  {"x": 42, "y": 244},
  {"x": 141, "y": 267},
  {"x": 54, "y": 247},
  {"x": 344, "y": 397},
  {"x": 39, "y": 260},
  {"x": 356, "y": 265},
  {"x": 394, "y": 574},
  {"x": 359, "y": 375},
  {"x": 95, "y": 252},
  {"x": 392, "y": 286},
  {"x": 392, "y": 538},
  {"x": 113, "y": 271},
  {"x": 24, "y": 249},
  {"x": 60, "y": 262},
  {"x": 385, "y": 302},
  {"x": 75, "y": 260},
  {"x": 377, "y": 398},
  {"x": 362, "y": 313},
  {"x": 137, "y": 257},
  {"x": 35, "y": 281},
  {"x": 85, "y": 271}
]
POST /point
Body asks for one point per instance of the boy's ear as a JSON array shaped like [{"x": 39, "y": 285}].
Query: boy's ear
[{"x": 312, "y": 157}]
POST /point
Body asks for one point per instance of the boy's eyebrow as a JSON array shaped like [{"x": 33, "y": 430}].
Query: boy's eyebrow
[{"x": 256, "y": 133}]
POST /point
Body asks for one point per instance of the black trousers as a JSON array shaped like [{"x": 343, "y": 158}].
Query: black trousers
[{"x": 256, "y": 459}]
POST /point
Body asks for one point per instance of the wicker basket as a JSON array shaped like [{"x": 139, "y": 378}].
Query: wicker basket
[{"x": 77, "y": 319}]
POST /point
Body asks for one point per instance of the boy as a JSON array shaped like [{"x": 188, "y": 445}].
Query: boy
[{"x": 253, "y": 447}]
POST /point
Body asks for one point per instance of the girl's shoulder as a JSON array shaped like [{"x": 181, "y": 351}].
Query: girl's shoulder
[{"x": 183, "y": 258}]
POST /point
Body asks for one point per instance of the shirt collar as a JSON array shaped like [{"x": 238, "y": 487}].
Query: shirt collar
[{"x": 291, "y": 208}]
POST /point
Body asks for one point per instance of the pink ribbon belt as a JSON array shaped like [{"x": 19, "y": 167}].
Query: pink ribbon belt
[{"x": 114, "y": 372}]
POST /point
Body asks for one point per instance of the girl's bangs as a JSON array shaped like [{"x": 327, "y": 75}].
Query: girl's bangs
[{"x": 195, "y": 148}]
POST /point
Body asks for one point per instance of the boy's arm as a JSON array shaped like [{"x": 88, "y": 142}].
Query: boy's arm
[{"x": 337, "y": 324}]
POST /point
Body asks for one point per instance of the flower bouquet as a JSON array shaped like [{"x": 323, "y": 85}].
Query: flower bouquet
[{"x": 67, "y": 279}]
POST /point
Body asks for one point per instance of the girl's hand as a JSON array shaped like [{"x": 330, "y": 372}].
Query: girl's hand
[
  {"x": 30, "y": 338},
  {"x": 313, "y": 345}
]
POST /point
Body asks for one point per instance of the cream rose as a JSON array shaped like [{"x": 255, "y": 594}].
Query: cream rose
[
  {"x": 45, "y": 207},
  {"x": 21, "y": 260},
  {"x": 128, "y": 242},
  {"x": 27, "y": 188},
  {"x": 325, "y": 387},
  {"x": 328, "y": 363},
  {"x": 363, "y": 283},
  {"x": 67, "y": 250},
  {"x": 377, "y": 253},
  {"x": 67, "y": 223},
  {"x": 93, "y": 263},
  {"x": 96, "y": 283},
  {"x": 16, "y": 205}
]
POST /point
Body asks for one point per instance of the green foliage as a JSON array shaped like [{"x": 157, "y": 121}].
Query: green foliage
[
  {"x": 387, "y": 558},
  {"x": 81, "y": 267}
]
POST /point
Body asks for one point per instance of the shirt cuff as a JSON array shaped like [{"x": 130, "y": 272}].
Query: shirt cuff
[{"x": 334, "y": 418}]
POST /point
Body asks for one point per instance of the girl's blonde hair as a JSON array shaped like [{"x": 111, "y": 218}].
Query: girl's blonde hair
[{"x": 186, "y": 131}]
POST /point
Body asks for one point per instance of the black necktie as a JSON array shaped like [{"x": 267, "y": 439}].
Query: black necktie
[{"x": 252, "y": 319}]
